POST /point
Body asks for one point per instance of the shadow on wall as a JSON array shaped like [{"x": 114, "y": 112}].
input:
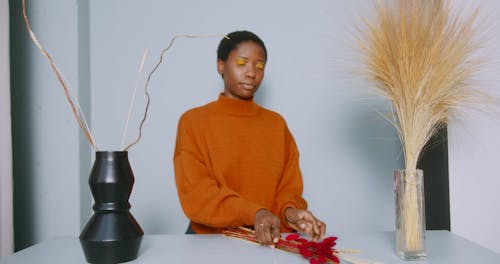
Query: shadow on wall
[
  {"x": 372, "y": 137},
  {"x": 434, "y": 163},
  {"x": 23, "y": 116},
  {"x": 354, "y": 167},
  {"x": 261, "y": 97}
]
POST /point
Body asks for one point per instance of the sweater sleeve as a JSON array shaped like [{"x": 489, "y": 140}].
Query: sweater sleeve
[
  {"x": 291, "y": 186},
  {"x": 204, "y": 199}
]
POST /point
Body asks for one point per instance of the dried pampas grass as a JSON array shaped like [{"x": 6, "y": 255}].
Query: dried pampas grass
[{"x": 421, "y": 56}]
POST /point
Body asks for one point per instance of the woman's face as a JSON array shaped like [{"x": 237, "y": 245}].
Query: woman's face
[{"x": 243, "y": 70}]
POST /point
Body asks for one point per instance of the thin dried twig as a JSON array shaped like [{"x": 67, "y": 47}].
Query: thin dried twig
[
  {"x": 132, "y": 99},
  {"x": 299, "y": 249},
  {"x": 148, "y": 97},
  {"x": 80, "y": 118}
]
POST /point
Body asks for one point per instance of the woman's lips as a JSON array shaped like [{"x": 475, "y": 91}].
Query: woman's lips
[{"x": 247, "y": 86}]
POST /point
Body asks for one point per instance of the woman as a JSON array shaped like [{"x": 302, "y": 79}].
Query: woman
[{"x": 236, "y": 163}]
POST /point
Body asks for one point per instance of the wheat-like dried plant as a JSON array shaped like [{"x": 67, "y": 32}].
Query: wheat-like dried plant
[{"x": 421, "y": 56}]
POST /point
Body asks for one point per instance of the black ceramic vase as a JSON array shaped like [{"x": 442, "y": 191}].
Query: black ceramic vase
[{"x": 112, "y": 235}]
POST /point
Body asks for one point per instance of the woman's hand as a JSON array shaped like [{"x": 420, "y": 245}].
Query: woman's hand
[
  {"x": 304, "y": 221},
  {"x": 267, "y": 227}
]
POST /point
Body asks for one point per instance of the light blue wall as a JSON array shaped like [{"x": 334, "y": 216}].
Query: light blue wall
[
  {"x": 45, "y": 136},
  {"x": 474, "y": 145},
  {"x": 347, "y": 151}
]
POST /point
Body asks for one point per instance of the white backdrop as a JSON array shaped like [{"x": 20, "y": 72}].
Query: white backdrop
[
  {"x": 348, "y": 152},
  {"x": 473, "y": 150},
  {"x": 46, "y": 154},
  {"x": 473, "y": 144},
  {"x": 6, "y": 217}
]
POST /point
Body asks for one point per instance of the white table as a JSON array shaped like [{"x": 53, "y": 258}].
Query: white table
[{"x": 442, "y": 247}]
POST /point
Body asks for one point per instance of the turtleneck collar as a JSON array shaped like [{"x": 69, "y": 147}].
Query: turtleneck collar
[{"x": 237, "y": 106}]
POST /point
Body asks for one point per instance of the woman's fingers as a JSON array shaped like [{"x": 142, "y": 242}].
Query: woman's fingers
[
  {"x": 267, "y": 234},
  {"x": 304, "y": 221},
  {"x": 259, "y": 233},
  {"x": 267, "y": 227},
  {"x": 276, "y": 235}
]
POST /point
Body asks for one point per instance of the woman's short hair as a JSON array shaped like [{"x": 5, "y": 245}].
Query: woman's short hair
[{"x": 231, "y": 40}]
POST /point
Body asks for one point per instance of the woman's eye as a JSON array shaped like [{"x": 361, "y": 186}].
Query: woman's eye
[
  {"x": 260, "y": 66},
  {"x": 241, "y": 61}
]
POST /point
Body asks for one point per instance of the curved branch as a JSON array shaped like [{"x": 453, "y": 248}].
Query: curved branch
[
  {"x": 80, "y": 119},
  {"x": 148, "y": 97}
]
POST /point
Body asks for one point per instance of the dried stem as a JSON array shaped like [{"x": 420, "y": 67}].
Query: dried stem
[
  {"x": 413, "y": 219},
  {"x": 132, "y": 99},
  {"x": 148, "y": 97},
  {"x": 421, "y": 57},
  {"x": 79, "y": 118},
  {"x": 295, "y": 248}
]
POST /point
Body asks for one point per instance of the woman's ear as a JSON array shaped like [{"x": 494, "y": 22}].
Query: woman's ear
[{"x": 220, "y": 67}]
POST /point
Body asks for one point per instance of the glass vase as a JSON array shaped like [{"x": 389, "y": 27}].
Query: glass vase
[{"x": 410, "y": 214}]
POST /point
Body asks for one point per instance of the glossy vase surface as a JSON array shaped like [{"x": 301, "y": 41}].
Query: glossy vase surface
[
  {"x": 410, "y": 214},
  {"x": 112, "y": 235}
]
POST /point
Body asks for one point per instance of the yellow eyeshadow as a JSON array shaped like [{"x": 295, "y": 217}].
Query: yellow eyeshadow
[
  {"x": 241, "y": 61},
  {"x": 260, "y": 66}
]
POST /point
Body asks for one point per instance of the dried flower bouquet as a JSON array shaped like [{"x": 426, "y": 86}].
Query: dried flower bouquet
[
  {"x": 421, "y": 56},
  {"x": 316, "y": 252}
]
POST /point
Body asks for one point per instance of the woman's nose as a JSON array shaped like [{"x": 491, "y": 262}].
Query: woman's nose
[{"x": 250, "y": 72}]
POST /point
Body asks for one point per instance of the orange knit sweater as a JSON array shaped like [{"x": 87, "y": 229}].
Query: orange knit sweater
[{"x": 232, "y": 158}]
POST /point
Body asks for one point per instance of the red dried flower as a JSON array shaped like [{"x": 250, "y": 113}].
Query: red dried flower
[
  {"x": 306, "y": 253},
  {"x": 314, "y": 261},
  {"x": 316, "y": 252},
  {"x": 292, "y": 237}
]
